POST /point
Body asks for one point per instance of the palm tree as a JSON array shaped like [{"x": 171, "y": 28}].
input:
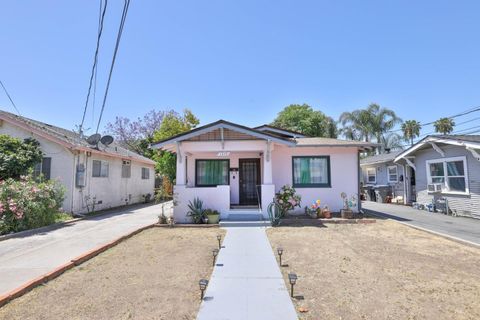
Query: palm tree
[
  {"x": 374, "y": 121},
  {"x": 444, "y": 125},
  {"x": 411, "y": 130},
  {"x": 357, "y": 124},
  {"x": 392, "y": 141}
]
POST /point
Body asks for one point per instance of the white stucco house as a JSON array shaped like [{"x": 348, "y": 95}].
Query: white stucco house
[
  {"x": 237, "y": 170},
  {"x": 110, "y": 176}
]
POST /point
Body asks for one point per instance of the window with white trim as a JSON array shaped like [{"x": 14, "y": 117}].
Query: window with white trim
[
  {"x": 145, "y": 173},
  {"x": 392, "y": 172},
  {"x": 371, "y": 175},
  {"x": 99, "y": 168},
  {"x": 450, "y": 172}
]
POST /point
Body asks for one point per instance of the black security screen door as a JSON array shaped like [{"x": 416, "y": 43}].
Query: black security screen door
[{"x": 249, "y": 172}]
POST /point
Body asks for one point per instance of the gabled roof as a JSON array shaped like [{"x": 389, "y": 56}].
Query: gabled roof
[
  {"x": 468, "y": 141},
  {"x": 69, "y": 138},
  {"x": 258, "y": 134},
  {"x": 279, "y": 131},
  {"x": 380, "y": 158},
  {"x": 224, "y": 125}
]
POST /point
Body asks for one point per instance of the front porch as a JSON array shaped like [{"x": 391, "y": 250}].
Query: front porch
[{"x": 237, "y": 183}]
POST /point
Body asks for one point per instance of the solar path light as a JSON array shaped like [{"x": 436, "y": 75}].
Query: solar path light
[
  {"x": 280, "y": 252},
  {"x": 215, "y": 254},
  {"x": 292, "y": 278},
  {"x": 219, "y": 238},
  {"x": 203, "y": 283}
]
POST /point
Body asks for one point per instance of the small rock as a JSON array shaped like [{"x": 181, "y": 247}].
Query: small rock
[{"x": 302, "y": 310}]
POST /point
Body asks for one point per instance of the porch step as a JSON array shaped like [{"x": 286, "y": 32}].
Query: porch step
[
  {"x": 245, "y": 219},
  {"x": 230, "y": 223}
]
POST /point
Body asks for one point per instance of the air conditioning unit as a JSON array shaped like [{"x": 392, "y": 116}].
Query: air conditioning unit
[{"x": 434, "y": 187}]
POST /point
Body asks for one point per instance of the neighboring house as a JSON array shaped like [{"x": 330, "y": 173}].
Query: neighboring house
[
  {"x": 446, "y": 168},
  {"x": 109, "y": 175},
  {"x": 233, "y": 168},
  {"x": 380, "y": 171}
]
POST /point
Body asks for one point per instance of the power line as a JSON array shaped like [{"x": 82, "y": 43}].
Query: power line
[
  {"x": 463, "y": 113},
  {"x": 95, "y": 60},
  {"x": 10, "y": 98},
  {"x": 119, "y": 36}
]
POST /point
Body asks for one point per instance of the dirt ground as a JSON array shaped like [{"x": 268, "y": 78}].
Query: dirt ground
[
  {"x": 383, "y": 270},
  {"x": 153, "y": 275}
]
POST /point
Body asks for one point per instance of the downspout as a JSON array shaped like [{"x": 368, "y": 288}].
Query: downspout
[
  {"x": 359, "y": 201},
  {"x": 72, "y": 195}
]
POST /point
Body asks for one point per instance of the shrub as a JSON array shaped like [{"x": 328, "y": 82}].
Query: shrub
[
  {"x": 17, "y": 157},
  {"x": 27, "y": 204},
  {"x": 287, "y": 199},
  {"x": 196, "y": 210}
]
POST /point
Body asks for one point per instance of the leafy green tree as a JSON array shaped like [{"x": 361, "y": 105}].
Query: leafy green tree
[
  {"x": 444, "y": 125},
  {"x": 303, "y": 119},
  {"x": 17, "y": 157},
  {"x": 411, "y": 130},
  {"x": 172, "y": 124}
]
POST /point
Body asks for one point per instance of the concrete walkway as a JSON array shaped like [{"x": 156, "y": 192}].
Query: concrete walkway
[
  {"x": 466, "y": 229},
  {"x": 247, "y": 283},
  {"x": 25, "y": 258}
]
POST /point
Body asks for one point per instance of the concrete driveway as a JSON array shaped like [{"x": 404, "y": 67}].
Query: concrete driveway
[
  {"x": 466, "y": 229},
  {"x": 25, "y": 258}
]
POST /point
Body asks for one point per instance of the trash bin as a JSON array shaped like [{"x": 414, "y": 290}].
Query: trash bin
[{"x": 382, "y": 192}]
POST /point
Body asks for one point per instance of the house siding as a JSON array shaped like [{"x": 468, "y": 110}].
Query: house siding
[
  {"x": 382, "y": 176},
  {"x": 111, "y": 191},
  {"x": 466, "y": 205}
]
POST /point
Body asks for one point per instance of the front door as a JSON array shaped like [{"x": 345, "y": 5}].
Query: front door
[{"x": 249, "y": 179}]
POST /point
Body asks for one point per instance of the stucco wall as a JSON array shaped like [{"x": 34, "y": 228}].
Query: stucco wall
[
  {"x": 234, "y": 178},
  {"x": 111, "y": 191},
  {"x": 344, "y": 174},
  {"x": 62, "y": 159},
  {"x": 461, "y": 204}
]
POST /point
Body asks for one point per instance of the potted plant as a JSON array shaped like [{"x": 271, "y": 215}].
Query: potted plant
[
  {"x": 212, "y": 216},
  {"x": 196, "y": 210},
  {"x": 348, "y": 204}
]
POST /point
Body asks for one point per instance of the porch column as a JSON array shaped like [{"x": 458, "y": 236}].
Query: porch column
[
  {"x": 267, "y": 164},
  {"x": 181, "y": 167}
]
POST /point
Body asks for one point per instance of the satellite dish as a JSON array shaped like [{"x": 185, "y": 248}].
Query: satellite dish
[
  {"x": 106, "y": 140},
  {"x": 94, "y": 139}
]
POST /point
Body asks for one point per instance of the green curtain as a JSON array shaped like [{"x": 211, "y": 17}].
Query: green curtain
[
  {"x": 212, "y": 172},
  {"x": 305, "y": 176}
]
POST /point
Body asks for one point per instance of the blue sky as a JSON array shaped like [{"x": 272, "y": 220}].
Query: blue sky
[{"x": 243, "y": 61}]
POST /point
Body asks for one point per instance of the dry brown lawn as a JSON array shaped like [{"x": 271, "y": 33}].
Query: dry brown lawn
[
  {"x": 383, "y": 270},
  {"x": 153, "y": 275}
]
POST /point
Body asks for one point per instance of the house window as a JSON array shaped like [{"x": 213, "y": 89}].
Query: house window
[
  {"x": 372, "y": 175},
  {"x": 450, "y": 172},
  {"x": 43, "y": 168},
  {"x": 212, "y": 172},
  {"x": 99, "y": 168},
  {"x": 145, "y": 173},
  {"x": 126, "y": 169},
  {"x": 311, "y": 172},
  {"x": 392, "y": 174}
]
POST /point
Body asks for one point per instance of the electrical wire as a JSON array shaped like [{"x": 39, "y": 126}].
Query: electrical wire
[
  {"x": 119, "y": 36},
  {"x": 10, "y": 98},
  {"x": 95, "y": 62}
]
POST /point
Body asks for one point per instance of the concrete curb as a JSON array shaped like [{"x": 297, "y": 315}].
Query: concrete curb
[
  {"x": 440, "y": 234},
  {"x": 28, "y": 286}
]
